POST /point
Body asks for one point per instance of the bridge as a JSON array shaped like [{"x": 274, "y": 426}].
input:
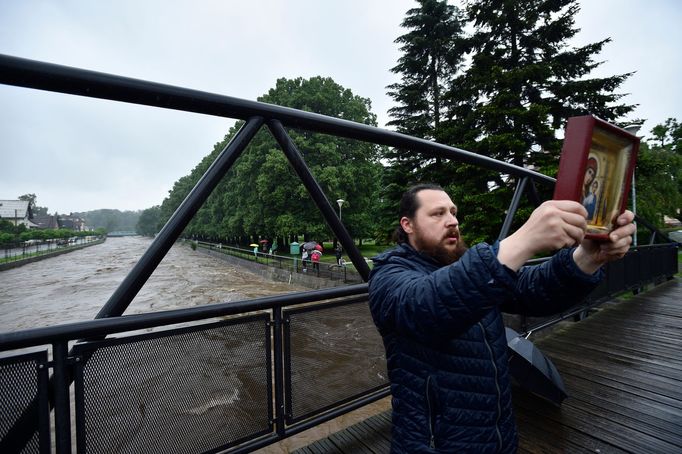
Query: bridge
[
  {"x": 122, "y": 233},
  {"x": 240, "y": 376}
]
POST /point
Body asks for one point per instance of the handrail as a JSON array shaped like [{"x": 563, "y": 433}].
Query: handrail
[
  {"x": 104, "y": 326},
  {"x": 27, "y": 73}
]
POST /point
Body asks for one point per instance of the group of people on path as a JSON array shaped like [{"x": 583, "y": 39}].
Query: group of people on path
[
  {"x": 311, "y": 256},
  {"x": 314, "y": 255}
]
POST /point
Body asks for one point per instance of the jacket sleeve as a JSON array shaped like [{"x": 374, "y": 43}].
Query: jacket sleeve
[
  {"x": 442, "y": 304},
  {"x": 551, "y": 287}
]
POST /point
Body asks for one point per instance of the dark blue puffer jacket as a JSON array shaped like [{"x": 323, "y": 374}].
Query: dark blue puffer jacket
[{"x": 445, "y": 344}]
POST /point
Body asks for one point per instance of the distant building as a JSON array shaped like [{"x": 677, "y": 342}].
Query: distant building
[
  {"x": 71, "y": 223},
  {"x": 17, "y": 212},
  {"x": 46, "y": 221}
]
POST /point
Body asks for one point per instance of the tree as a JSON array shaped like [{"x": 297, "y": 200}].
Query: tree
[
  {"x": 432, "y": 52},
  {"x": 148, "y": 223},
  {"x": 659, "y": 174},
  {"x": 110, "y": 219},
  {"x": 33, "y": 201},
  {"x": 526, "y": 81},
  {"x": 261, "y": 196}
]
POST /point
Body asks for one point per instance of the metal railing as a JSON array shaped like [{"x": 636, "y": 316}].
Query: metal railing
[
  {"x": 641, "y": 266},
  {"x": 294, "y": 265},
  {"x": 125, "y": 393},
  {"x": 23, "y": 250},
  {"x": 220, "y": 375}
]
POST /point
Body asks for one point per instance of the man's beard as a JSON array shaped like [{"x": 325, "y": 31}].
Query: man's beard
[{"x": 439, "y": 252}]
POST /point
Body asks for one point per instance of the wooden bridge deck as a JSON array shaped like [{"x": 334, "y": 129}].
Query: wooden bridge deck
[{"x": 622, "y": 368}]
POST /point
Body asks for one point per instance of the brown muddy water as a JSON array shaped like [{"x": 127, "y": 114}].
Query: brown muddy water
[{"x": 73, "y": 287}]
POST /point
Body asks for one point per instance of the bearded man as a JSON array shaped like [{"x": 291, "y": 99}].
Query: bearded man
[{"x": 437, "y": 306}]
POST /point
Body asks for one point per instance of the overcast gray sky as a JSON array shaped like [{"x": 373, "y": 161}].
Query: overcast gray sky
[{"x": 81, "y": 154}]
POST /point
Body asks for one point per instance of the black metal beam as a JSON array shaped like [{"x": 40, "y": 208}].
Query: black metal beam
[
  {"x": 328, "y": 212},
  {"x": 101, "y": 327},
  {"x": 513, "y": 206},
  {"x": 136, "y": 278},
  {"x": 64, "y": 79}
]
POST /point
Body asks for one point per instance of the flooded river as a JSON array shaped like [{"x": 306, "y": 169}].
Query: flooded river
[
  {"x": 74, "y": 286},
  {"x": 160, "y": 401}
]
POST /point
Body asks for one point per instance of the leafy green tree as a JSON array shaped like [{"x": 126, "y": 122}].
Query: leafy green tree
[
  {"x": 110, "y": 219},
  {"x": 33, "y": 202},
  {"x": 528, "y": 82},
  {"x": 659, "y": 174},
  {"x": 148, "y": 223},
  {"x": 262, "y": 197}
]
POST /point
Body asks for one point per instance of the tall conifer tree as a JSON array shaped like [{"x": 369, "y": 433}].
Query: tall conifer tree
[
  {"x": 529, "y": 80},
  {"x": 431, "y": 55},
  {"x": 526, "y": 81}
]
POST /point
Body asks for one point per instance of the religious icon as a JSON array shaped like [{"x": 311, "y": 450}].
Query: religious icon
[{"x": 597, "y": 161}]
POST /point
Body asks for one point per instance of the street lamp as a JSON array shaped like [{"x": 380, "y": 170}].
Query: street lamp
[{"x": 340, "y": 202}]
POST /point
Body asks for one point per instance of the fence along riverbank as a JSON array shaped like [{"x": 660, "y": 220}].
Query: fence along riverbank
[
  {"x": 20, "y": 255},
  {"x": 283, "y": 268}
]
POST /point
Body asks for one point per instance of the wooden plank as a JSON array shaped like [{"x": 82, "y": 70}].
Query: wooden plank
[
  {"x": 653, "y": 364},
  {"x": 586, "y": 422},
  {"x": 630, "y": 335},
  {"x": 610, "y": 358},
  {"x": 379, "y": 426},
  {"x": 348, "y": 443},
  {"x": 636, "y": 421},
  {"x": 601, "y": 369},
  {"x": 536, "y": 435},
  {"x": 372, "y": 439},
  {"x": 634, "y": 388},
  {"x": 662, "y": 416}
]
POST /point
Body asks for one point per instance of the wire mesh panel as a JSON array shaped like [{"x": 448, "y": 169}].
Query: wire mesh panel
[
  {"x": 333, "y": 354},
  {"x": 181, "y": 391},
  {"x": 23, "y": 397}
]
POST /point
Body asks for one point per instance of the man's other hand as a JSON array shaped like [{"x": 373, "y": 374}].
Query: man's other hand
[
  {"x": 591, "y": 254},
  {"x": 553, "y": 225}
]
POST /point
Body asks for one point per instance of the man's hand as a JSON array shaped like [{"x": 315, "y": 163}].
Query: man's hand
[
  {"x": 591, "y": 255},
  {"x": 553, "y": 225}
]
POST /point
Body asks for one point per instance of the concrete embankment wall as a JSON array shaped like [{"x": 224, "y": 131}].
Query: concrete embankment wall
[
  {"x": 47, "y": 255},
  {"x": 273, "y": 273}
]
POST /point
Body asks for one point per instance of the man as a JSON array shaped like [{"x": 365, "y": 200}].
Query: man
[{"x": 437, "y": 306}]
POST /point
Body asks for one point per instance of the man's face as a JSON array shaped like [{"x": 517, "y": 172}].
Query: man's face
[{"x": 434, "y": 229}]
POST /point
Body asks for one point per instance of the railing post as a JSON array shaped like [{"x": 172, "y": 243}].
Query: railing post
[
  {"x": 170, "y": 232},
  {"x": 328, "y": 212},
  {"x": 62, "y": 406},
  {"x": 520, "y": 186},
  {"x": 279, "y": 371}
]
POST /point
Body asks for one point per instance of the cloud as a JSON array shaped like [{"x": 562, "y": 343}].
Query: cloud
[{"x": 79, "y": 154}]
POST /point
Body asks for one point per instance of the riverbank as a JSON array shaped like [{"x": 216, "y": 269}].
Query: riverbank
[
  {"x": 46, "y": 255},
  {"x": 285, "y": 273}
]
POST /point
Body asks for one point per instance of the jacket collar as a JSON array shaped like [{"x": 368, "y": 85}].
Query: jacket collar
[{"x": 405, "y": 250}]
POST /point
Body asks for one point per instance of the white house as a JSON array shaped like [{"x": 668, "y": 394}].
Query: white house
[{"x": 17, "y": 212}]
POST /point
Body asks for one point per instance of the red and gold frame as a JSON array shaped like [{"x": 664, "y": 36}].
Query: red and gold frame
[{"x": 595, "y": 169}]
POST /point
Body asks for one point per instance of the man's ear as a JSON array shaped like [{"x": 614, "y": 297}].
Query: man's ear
[{"x": 406, "y": 224}]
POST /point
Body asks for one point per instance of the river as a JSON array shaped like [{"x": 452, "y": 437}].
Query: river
[
  {"x": 73, "y": 287},
  {"x": 331, "y": 349}
]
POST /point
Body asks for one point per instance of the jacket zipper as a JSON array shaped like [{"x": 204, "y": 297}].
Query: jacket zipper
[
  {"x": 497, "y": 385},
  {"x": 429, "y": 409}
]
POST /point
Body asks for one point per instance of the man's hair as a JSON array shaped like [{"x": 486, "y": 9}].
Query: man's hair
[{"x": 409, "y": 204}]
